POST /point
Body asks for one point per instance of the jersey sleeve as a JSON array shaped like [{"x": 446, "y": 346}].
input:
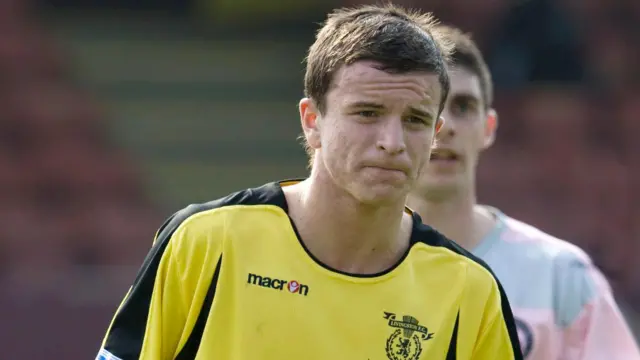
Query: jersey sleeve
[
  {"x": 593, "y": 326},
  {"x": 498, "y": 337},
  {"x": 161, "y": 309}
]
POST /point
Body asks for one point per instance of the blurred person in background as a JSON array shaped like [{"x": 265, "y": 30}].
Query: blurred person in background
[
  {"x": 324, "y": 268},
  {"x": 563, "y": 305}
]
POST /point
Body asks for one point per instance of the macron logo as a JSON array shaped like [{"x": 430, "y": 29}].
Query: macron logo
[{"x": 292, "y": 286}]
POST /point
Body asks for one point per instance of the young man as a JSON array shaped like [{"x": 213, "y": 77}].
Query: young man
[
  {"x": 332, "y": 267},
  {"x": 563, "y": 306}
]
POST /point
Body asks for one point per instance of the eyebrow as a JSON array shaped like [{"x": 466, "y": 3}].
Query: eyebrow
[
  {"x": 420, "y": 113},
  {"x": 365, "y": 104},
  {"x": 370, "y": 105},
  {"x": 466, "y": 96}
]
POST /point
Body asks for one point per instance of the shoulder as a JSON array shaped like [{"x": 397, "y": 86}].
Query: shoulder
[
  {"x": 478, "y": 272},
  {"x": 213, "y": 215},
  {"x": 194, "y": 237},
  {"x": 560, "y": 255},
  {"x": 543, "y": 244},
  {"x": 575, "y": 279}
]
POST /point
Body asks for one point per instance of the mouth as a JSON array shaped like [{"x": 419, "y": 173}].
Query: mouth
[
  {"x": 444, "y": 155},
  {"x": 387, "y": 168},
  {"x": 388, "y": 171}
]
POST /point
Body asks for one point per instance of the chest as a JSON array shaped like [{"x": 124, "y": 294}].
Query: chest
[{"x": 288, "y": 308}]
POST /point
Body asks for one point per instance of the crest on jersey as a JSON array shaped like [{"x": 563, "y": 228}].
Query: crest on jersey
[{"x": 405, "y": 341}]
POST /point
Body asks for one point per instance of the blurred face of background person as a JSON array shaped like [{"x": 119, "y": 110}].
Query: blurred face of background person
[{"x": 469, "y": 128}]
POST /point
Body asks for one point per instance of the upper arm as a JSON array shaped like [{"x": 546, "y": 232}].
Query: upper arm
[
  {"x": 586, "y": 310},
  {"x": 497, "y": 335},
  {"x": 161, "y": 308}
]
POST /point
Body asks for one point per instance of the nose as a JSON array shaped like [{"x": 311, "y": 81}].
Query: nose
[{"x": 392, "y": 137}]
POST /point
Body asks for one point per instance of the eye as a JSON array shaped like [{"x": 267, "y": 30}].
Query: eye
[
  {"x": 463, "y": 107},
  {"x": 416, "y": 120},
  {"x": 367, "y": 113}
]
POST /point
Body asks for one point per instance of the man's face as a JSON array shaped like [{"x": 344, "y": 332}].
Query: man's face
[
  {"x": 377, "y": 130},
  {"x": 468, "y": 129}
]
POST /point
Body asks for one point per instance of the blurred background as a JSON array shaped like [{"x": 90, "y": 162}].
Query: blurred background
[{"x": 114, "y": 114}]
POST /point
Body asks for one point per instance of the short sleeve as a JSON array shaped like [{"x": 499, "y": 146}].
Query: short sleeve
[{"x": 161, "y": 309}]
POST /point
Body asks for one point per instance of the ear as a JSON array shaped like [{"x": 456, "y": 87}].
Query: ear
[
  {"x": 439, "y": 123},
  {"x": 490, "y": 128},
  {"x": 309, "y": 115}
]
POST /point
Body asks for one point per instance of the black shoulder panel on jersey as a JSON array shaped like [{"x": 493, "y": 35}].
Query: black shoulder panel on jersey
[
  {"x": 428, "y": 235},
  {"x": 126, "y": 335},
  {"x": 191, "y": 347},
  {"x": 266, "y": 194}
]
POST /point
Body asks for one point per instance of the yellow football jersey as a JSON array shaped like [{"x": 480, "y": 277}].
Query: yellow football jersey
[{"x": 231, "y": 280}]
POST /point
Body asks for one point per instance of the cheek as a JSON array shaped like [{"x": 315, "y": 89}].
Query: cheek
[
  {"x": 337, "y": 145},
  {"x": 347, "y": 137},
  {"x": 479, "y": 138},
  {"x": 471, "y": 137},
  {"x": 421, "y": 144}
]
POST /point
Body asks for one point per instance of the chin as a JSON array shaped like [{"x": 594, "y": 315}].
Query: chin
[
  {"x": 441, "y": 181},
  {"x": 433, "y": 177},
  {"x": 380, "y": 194},
  {"x": 439, "y": 190}
]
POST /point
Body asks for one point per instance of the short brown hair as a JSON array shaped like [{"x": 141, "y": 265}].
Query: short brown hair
[
  {"x": 400, "y": 41},
  {"x": 467, "y": 54}
]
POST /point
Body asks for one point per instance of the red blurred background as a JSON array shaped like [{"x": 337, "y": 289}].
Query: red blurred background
[{"x": 114, "y": 114}]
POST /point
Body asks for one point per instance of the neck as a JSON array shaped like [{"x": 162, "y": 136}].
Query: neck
[
  {"x": 345, "y": 234},
  {"x": 458, "y": 217}
]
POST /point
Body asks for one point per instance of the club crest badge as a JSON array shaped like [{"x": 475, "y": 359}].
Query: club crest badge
[{"x": 407, "y": 336}]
